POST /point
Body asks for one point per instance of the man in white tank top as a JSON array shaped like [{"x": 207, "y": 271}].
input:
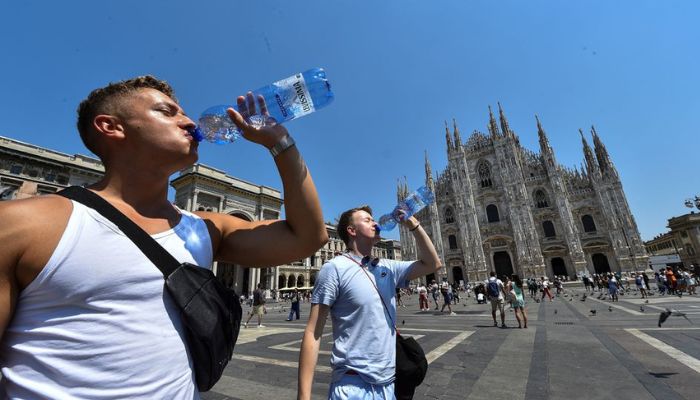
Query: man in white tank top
[{"x": 83, "y": 313}]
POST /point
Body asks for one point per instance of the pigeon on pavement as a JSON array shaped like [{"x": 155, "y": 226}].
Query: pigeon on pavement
[{"x": 665, "y": 314}]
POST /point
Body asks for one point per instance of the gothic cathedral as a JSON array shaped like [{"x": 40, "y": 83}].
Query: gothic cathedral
[{"x": 500, "y": 207}]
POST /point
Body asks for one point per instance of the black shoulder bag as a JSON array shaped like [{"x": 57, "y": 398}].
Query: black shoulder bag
[
  {"x": 210, "y": 312},
  {"x": 411, "y": 364}
]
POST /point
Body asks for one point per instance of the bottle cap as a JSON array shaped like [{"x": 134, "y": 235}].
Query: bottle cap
[{"x": 196, "y": 134}]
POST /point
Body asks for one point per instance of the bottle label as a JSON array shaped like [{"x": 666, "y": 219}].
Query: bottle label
[{"x": 293, "y": 98}]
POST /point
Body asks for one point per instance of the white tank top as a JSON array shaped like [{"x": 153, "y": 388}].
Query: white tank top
[{"x": 97, "y": 322}]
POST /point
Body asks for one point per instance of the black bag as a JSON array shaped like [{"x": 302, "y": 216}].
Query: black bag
[
  {"x": 210, "y": 312},
  {"x": 411, "y": 367},
  {"x": 411, "y": 364}
]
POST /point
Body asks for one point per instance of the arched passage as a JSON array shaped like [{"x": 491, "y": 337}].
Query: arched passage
[
  {"x": 492, "y": 213},
  {"x": 559, "y": 266},
  {"x": 600, "y": 263},
  {"x": 291, "y": 281},
  {"x": 281, "y": 282},
  {"x": 457, "y": 274},
  {"x": 502, "y": 264}
]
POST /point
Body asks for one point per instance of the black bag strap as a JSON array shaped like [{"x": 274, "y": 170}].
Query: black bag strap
[{"x": 165, "y": 262}]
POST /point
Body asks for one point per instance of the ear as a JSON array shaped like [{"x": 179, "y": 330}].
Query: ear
[
  {"x": 109, "y": 126},
  {"x": 352, "y": 232}
]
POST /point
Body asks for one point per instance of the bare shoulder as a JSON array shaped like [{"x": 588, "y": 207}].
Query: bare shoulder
[
  {"x": 30, "y": 231},
  {"x": 42, "y": 210}
]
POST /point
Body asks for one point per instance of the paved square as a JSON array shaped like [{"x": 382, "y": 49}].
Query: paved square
[{"x": 568, "y": 352}]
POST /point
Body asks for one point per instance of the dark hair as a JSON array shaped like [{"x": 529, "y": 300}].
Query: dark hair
[
  {"x": 107, "y": 100},
  {"x": 492, "y": 273},
  {"x": 517, "y": 280},
  {"x": 345, "y": 220}
]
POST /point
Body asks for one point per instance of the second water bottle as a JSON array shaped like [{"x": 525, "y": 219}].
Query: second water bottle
[{"x": 410, "y": 205}]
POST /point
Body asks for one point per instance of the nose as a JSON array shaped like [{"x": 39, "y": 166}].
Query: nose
[{"x": 186, "y": 122}]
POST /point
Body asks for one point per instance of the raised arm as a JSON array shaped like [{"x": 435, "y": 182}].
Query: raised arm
[
  {"x": 310, "y": 344},
  {"x": 428, "y": 261},
  {"x": 301, "y": 233}
]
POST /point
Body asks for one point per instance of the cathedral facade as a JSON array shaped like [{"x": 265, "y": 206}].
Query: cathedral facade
[{"x": 501, "y": 207}]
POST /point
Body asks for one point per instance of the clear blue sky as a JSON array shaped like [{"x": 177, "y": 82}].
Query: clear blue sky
[{"x": 398, "y": 69}]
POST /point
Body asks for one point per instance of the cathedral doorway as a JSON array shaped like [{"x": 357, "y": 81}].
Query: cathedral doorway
[
  {"x": 559, "y": 267},
  {"x": 457, "y": 274},
  {"x": 502, "y": 264},
  {"x": 600, "y": 263},
  {"x": 281, "y": 282}
]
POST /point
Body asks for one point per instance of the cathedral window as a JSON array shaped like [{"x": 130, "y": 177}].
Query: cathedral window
[
  {"x": 541, "y": 199},
  {"x": 548, "y": 228},
  {"x": 453, "y": 242},
  {"x": 485, "y": 174},
  {"x": 492, "y": 213},
  {"x": 588, "y": 224},
  {"x": 449, "y": 216}
]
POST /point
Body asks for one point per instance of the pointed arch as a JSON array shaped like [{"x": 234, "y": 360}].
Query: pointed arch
[
  {"x": 492, "y": 213},
  {"x": 541, "y": 200},
  {"x": 449, "y": 215},
  {"x": 452, "y": 239},
  {"x": 483, "y": 168},
  {"x": 588, "y": 223},
  {"x": 548, "y": 228}
]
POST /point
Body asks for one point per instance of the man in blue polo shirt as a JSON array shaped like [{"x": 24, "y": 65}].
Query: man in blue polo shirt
[{"x": 364, "y": 339}]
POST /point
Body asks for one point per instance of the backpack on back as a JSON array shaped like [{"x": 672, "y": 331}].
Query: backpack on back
[{"x": 492, "y": 288}]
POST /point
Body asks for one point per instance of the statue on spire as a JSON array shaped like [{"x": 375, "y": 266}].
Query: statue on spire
[
  {"x": 428, "y": 171},
  {"x": 544, "y": 141},
  {"x": 504, "y": 121},
  {"x": 493, "y": 126},
  {"x": 448, "y": 139},
  {"x": 458, "y": 139},
  {"x": 600, "y": 151},
  {"x": 591, "y": 163}
]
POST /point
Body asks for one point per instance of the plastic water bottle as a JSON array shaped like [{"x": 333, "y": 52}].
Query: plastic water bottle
[
  {"x": 410, "y": 205},
  {"x": 286, "y": 100}
]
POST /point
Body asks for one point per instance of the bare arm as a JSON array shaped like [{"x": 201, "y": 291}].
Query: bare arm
[
  {"x": 428, "y": 261},
  {"x": 301, "y": 233},
  {"x": 12, "y": 237},
  {"x": 29, "y": 232},
  {"x": 310, "y": 344}
]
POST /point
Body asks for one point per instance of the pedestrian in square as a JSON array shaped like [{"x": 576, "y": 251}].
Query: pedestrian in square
[
  {"x": 515, "y": 286},
  {"x": 357, "y": 291},
  {"x": 294, "y": 310},
  {"x": 496, "y": 296},
  {"x": 423, "y": 297}
]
